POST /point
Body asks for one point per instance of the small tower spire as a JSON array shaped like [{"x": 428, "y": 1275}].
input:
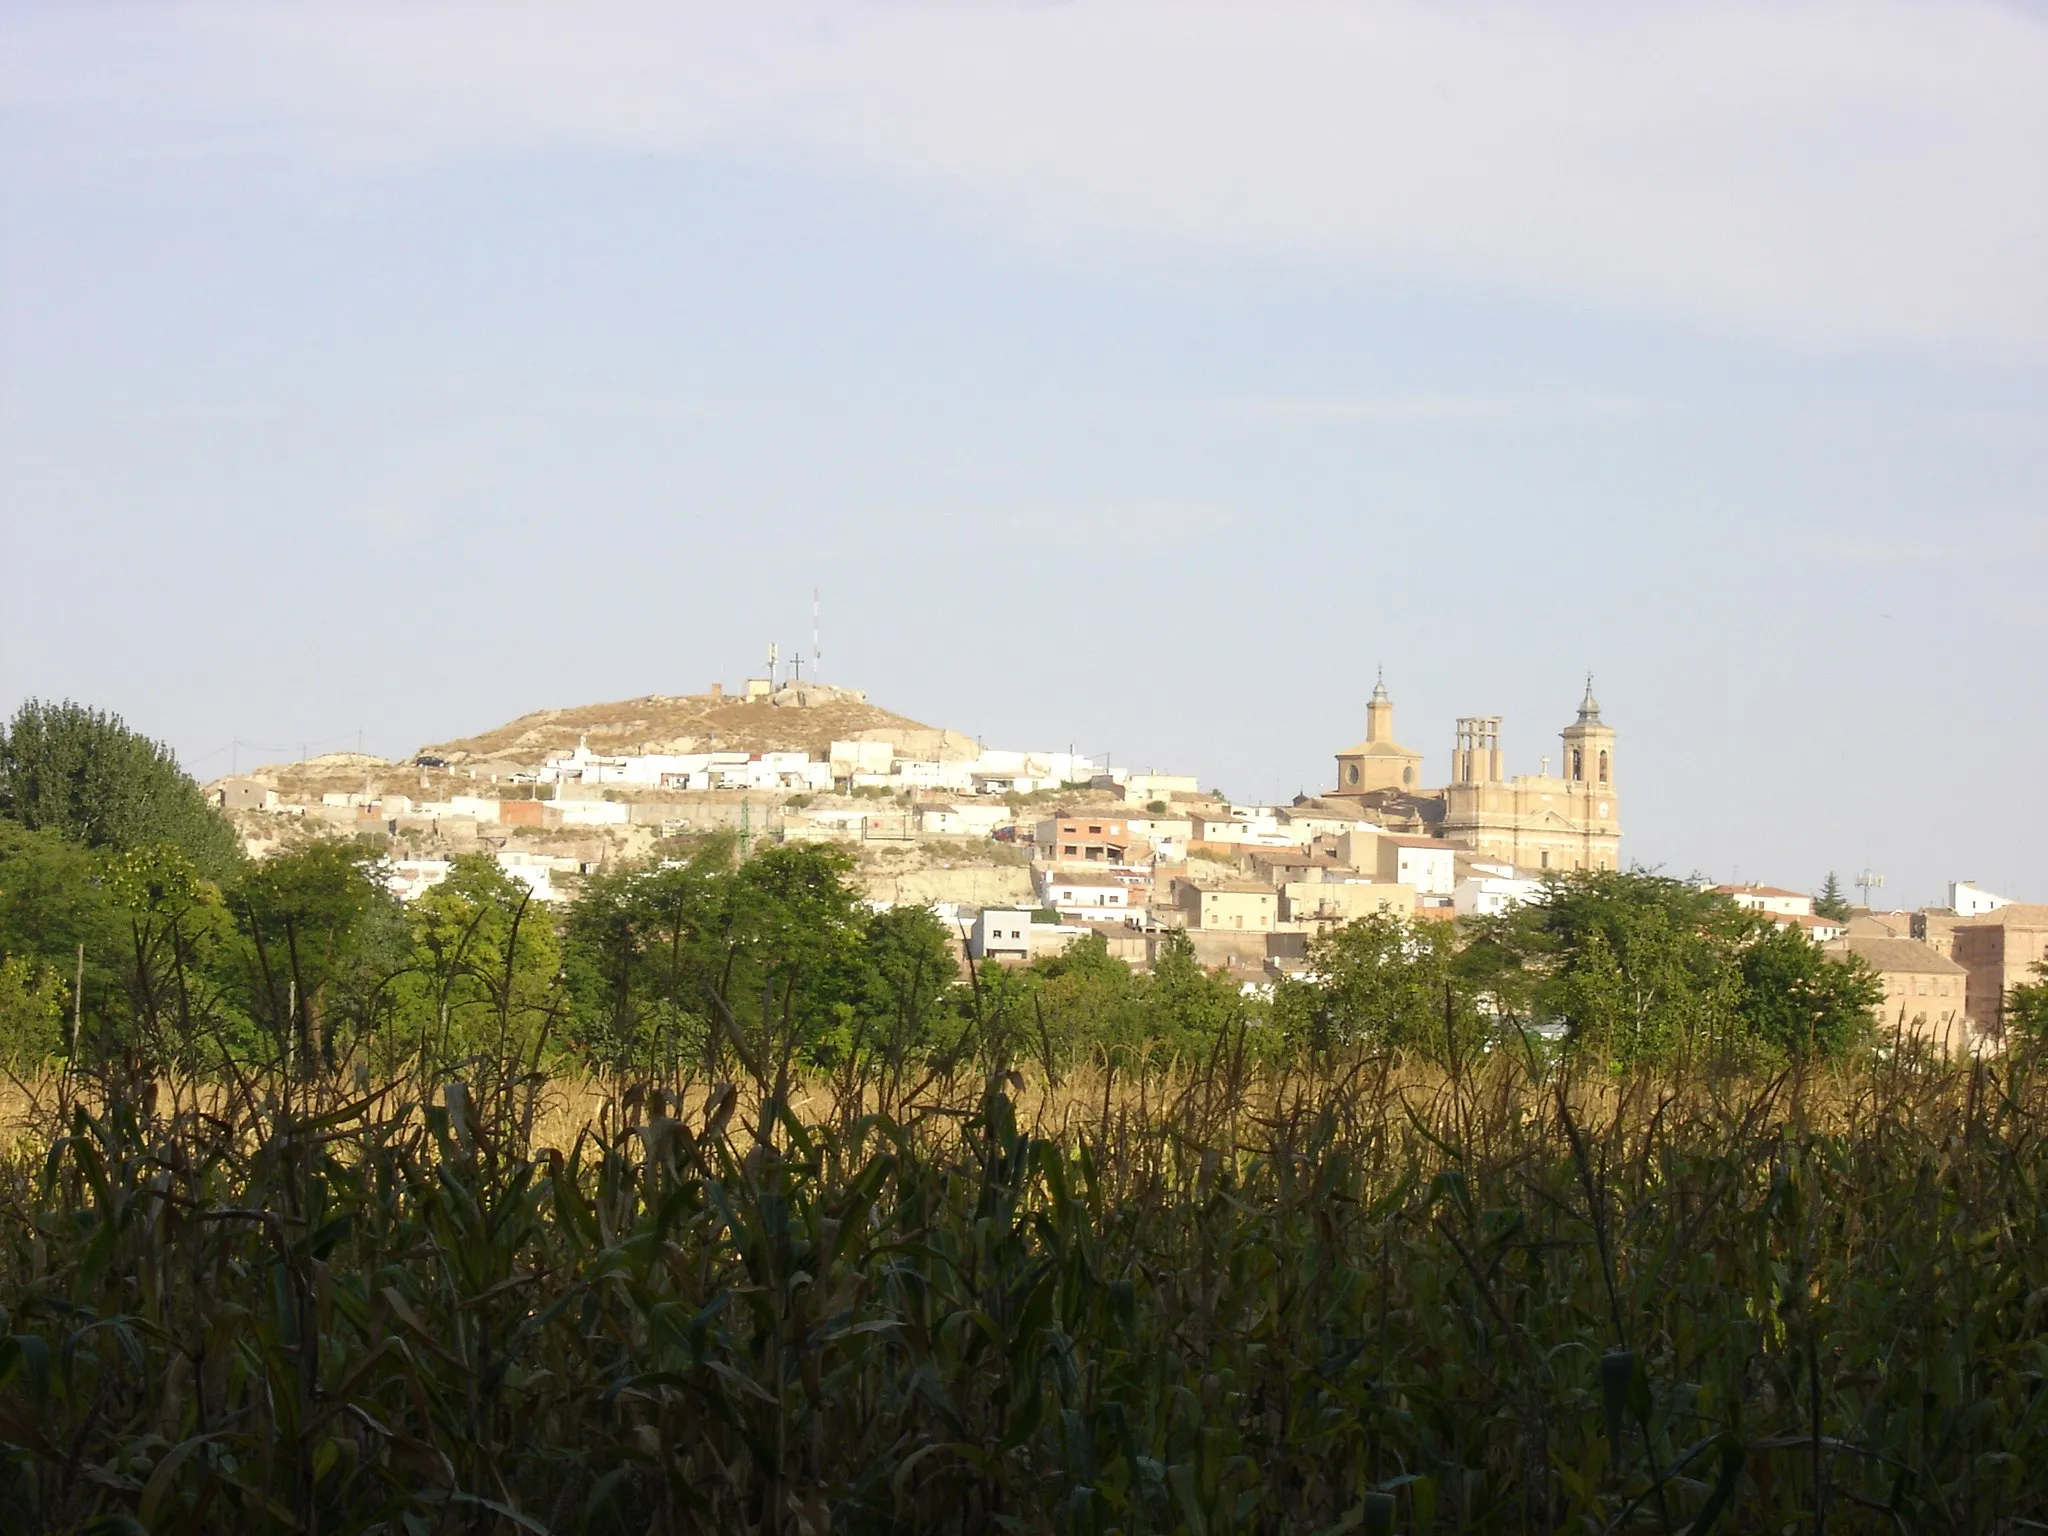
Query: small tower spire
[
  {"x": 1589, "y": 707},
  {"x": 1379, "y": 711}
]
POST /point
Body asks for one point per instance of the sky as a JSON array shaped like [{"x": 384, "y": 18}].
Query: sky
[{"x": 1133, "y": 375}]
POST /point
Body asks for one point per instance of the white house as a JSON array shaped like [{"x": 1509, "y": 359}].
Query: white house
[
  {"x": 1773, "y": 899},
  {"x": 535, "y": 871},
  {"x": 1144, "y": 788},
  {"x": 1490, "y": 894},
  {"x": 920, "y": 774},
  {"x": 1245, "y": 831},
  {"x": 961, "y": 820},
  {"x": 1093, "y": 895},
  {"x": 1427, "y": 863},
  {"x": 1000, "y": 933},
  {"x": 1306, "y": 823},
  {"x": 1965, "y": 900},
  {"x": 1168, "y": 835},
  {"x": 406, "y": 878}
]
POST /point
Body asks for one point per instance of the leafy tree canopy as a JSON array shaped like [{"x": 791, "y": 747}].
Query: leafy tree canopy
[
  {"x": 2026, "y": 1005},
  {"x": 1802, "y": 1003},
  {"x": 82, "y": 774}
]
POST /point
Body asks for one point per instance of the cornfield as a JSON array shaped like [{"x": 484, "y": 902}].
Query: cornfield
[{"x": 1358, "y": 1296}]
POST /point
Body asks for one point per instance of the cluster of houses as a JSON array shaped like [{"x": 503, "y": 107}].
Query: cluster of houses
[
  {"x": 853, "y": 765},
  {"x": 1129, "y": 856},
  {"x": 1249, "y": 886},
  {"x": 1298, "y": 871}
]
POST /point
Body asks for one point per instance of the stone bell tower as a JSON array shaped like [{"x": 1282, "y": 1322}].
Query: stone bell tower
[
  {"x": 1589, "y": 746},
  {"x": 1589, "y": 776},
  {"x": 1378, "y": 762},
  {"x": 1543, "y": 822}
]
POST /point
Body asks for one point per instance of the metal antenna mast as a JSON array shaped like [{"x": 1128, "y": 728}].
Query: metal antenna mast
[
  {"x": 1867, "y": 882},
  {"x": 817, "y": 650}
]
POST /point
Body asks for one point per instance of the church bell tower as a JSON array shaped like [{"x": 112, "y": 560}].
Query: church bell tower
[
  {"x": 1378, "y": 762},
  {"x": 1589, "y": 776}
]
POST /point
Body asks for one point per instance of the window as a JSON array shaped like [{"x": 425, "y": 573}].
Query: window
[
  {"x": 1603, "y": 766},
  {"x": 1578, "y": 764},
  {"x": 1351, "y": 773},
  {"x": 1095, "y": 831},
  {"x": 1407, "y": 775},
  {"x": 1071, "y": 850},
  {"x": 1545, "y": 858}
]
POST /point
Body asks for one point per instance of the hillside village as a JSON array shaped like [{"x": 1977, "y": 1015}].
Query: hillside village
[{"x": 1023, "y": 852}]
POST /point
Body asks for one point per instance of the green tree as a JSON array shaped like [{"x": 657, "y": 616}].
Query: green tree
[
  {"x": 81, "y": 773},
  {"x": 320, "y": 941},
  {"x": 903, "y": 998},
  {"x": 481, "y": 988},
  {"x": 1801, "y": 1002},
  {"x": 173, "y": 922},
  {"x": 783, "y": 938},
  {"x": 2026, "y": 1006},
  {"x": 1384, "y": 981},
  {"x": 1830, "y": 902},
  {"x": 56, "y": 916},
  {"x": 1634, "y": 966},
  {"x": 1192, "y": 1007},
  {"x": 636, "y": 947},
  {"x": 33, "y": 998},
  {"x": 1084, "y": 999},
  {"x": 708, "y": 960}
]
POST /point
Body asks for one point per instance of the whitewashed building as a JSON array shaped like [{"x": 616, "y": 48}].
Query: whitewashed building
[{"x": 1000, "y": 933}]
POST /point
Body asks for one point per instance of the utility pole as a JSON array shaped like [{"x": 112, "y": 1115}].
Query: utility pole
[{"x": 817, "y": 650}]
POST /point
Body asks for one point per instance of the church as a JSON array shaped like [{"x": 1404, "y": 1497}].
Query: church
[{"x": 1542, "y": 821}]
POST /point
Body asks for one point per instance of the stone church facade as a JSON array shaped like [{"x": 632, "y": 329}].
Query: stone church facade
[{"x": 1542, "y": 821}]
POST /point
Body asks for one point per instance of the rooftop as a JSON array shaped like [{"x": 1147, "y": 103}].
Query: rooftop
[
  {"x": 1909, "y": 955},
  {"x": 1297, "y": 858},
  {"x": 1379, "y": 749},
  {"x": 2021, "y": 914}
]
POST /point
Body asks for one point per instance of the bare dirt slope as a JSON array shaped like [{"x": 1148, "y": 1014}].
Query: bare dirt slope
[{"x": 702, "y": 723}]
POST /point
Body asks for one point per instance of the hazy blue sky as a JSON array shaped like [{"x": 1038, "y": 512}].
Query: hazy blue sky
[{"x": 1134, "y": 375}]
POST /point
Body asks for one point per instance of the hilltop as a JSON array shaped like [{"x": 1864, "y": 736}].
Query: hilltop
[{"x": 795, "y": 718}]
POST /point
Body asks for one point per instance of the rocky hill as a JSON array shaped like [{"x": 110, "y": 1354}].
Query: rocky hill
[{"x": 796, "y": 718}]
